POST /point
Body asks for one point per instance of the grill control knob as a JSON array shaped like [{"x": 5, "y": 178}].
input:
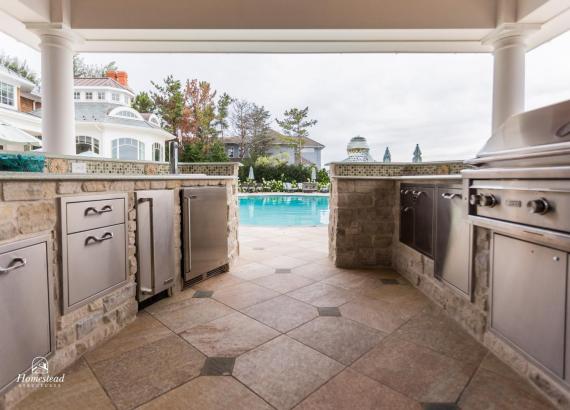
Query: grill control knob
[
  {"x": 538, "y": 206},
  {"x": 474, "y": 199},
  {"x": 488, "y": 200}
]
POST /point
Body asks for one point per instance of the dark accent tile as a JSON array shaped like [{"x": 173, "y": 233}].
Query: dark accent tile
[
  {"x": 440, "y": 406},
  {"x": 282, "y": 270},
  {"x": 390, "y": 281},
  {"x": 329, "y": 311},
  {"x": 203, "y": 294},
  {"x": 218, "y": 366}
]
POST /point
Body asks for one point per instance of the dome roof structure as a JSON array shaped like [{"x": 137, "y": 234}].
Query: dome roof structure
[{"x": 358, "y": 150}]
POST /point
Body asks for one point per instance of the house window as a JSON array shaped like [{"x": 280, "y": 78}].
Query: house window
[
  {"x": 157, "y": 151},
  {"x": 7, "y": 94},
  {"x": 116, "y": 97},
  {"x": 127, "y": 114},
  {"x": 85, "y": 143},
  {"x": 231, "y": 152},
  {"x": 128, "y": 148},
  {"x": 88, "y": 95},
  {"x": 100, "y": 95},
  {"x": 76, "y": 95}
]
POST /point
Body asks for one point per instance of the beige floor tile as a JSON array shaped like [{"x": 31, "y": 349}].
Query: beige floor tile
[
  {"x": 80, "y": 390},
  {"x": 380, "y": 315},
  {"x": 316, "y": 271},
  {"x": 283, "y": 282},
  {"x": 493, "y": 364},
  {"x": 353, "y": 281},
  {"x": 352, "y": 391},
  {"x": 252, "y": 271},
  {"x": 284, "y": 371},
  {"x": 209, "y": 393},
  {"x": 435, "y": 330},
  {"x": 142, "y": 374},
  {"x": 414, "y": 370},
  {"x": 244, "y": 295},
  {"x": 281, "y": 261},
  {"x": 322, "y": 295},
  {"x": 192, "y": 312},
  {"x": 339, "y": 338},
  {"x": 145, "y": 329},
  {"x": 282, "y": 313},
  {"x": 229, "y": 336},
  {"x": 218, "y": 282},
  {"x": 488, "y": 390}
]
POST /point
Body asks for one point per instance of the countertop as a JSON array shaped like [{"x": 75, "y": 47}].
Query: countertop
[
  {"x": 39, "y": 176},
  {"x": 404, "y": 177}
]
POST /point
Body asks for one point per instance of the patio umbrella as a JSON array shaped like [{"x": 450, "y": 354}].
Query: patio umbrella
[
  {"x": 313, "y": 174},
  {"x": 250, "y": 176},
  {"x": 13, "y": 135}
]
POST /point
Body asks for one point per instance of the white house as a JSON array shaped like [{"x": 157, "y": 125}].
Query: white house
[{"x": 105, "y": 124}]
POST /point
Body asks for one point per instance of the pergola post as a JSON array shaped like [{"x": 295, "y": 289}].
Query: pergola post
[
  {"x": 509, "y": 52},
  {"x": 58, "y": 109}
]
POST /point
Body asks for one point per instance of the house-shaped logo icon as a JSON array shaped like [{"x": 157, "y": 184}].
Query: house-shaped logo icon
[{"x": 40, "y": 365}]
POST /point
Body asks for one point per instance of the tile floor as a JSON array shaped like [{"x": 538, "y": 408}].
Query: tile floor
[{"x": 286, "y": 329}]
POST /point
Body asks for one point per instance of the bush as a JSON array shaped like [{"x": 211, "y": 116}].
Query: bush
[
  {"x": 196, "y": 151},
  {"x": 268, "y": 169}
]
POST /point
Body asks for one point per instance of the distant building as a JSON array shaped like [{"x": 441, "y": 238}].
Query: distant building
[
  {"x": 280, "y": 144},
  {"x": 105, "y": 124},
  {"x": 358, "y": 150}
]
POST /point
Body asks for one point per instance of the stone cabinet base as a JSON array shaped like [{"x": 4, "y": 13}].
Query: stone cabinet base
[{"x": 29, "y": 207}]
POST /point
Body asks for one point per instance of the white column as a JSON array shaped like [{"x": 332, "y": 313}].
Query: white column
[
  {"x": 509, "y": 51},
  {"x": 58, "y": 110}
]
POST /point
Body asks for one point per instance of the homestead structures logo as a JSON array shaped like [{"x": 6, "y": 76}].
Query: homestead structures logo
[{"x": 39, "y": 375}]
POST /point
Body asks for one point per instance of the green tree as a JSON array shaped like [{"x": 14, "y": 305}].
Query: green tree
[
  {"x": 295, "y": 125},
  {"x": 217, "y": 152},
  {"x": 83, "y": 70},
  {"x": 143, "y": 103},
  {"x": 240, "y": 120},
  {"x": 169, "y": 103},
  {"x": 199, "y": 111},
  {"x": 19, "y": 67},
  {"x": 259, "y": 123},
  {"x": 223, "y": 111}
]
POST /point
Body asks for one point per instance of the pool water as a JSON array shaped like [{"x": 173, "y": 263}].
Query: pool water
[{"x": 284, "y": 210}]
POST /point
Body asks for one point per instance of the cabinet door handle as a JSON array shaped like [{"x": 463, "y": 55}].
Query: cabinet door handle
[
  {"x": 448, "y": 195},
  {"x": 14, "y": 264},
  {"x": 93, "y": 210},
  {"x": 407, "y": 208},
  {"x": 106, "y": 236}
]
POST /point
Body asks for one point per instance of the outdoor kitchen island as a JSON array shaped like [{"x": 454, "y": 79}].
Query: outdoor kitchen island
[{"x": 65, "y": 227}]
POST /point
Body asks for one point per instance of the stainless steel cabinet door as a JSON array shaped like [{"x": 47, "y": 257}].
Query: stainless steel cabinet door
[
  {"x": 205, "y": 230},
  {"x": 529, "y": 299},
  {"x": 155, "y": 241},
  {"x": 452, "y": 239},
  {"x": 25, "y": 309},
  {"x": 95, "y": 262},
  {"x": 423, "y": 219}
]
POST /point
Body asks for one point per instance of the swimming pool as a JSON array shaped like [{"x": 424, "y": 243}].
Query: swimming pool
[{"x": 284, "y": 210}]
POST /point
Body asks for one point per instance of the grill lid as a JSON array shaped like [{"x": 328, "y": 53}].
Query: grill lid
[{"x": 539, "y": 137}]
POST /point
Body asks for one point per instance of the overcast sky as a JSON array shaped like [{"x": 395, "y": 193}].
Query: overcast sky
[{"x": 441, "y": 101}]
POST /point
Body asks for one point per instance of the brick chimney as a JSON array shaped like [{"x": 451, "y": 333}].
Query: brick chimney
[{"x": 120, "y": 76}]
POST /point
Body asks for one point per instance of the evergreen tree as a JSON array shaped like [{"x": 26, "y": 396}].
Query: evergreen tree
[
  {"x": 417, "y": 154},
  {"x": 83, "y": 70},
  {"x": 223, "y": 110},
  {"x": 387, "y": 155},
  {"x": 296, "y": 126},
  {"x": 19, "y": 67},
  {"x": 169, "y": 103},
  {"x": 143, "y": 103}
]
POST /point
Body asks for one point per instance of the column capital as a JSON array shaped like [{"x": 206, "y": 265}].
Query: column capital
[
  {"x": 509, "y": 34},
  {"x": 52, "y": 32}
]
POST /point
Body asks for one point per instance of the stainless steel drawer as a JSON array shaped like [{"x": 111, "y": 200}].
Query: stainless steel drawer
[
  {"x": 96, "y": 263},
  {"x": 85, "y": 215},
  {"x": 26, "y": 310}
]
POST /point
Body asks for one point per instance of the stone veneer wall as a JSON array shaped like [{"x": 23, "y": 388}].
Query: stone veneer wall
[
  {"x": 361, "y": 222},
  {"x": 31, "y": 207}
]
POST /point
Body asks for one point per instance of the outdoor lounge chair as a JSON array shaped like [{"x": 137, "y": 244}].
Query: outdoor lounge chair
[
  {"x": 310, "y": 187},
  {"x": 287, "y": 187}
]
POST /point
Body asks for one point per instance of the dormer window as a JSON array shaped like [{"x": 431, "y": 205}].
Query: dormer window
[
  {"x": 153, "y": 119},
  {"x": 76, "y": 95},
  {"x": 116, "y": 97},
  {"x": 100, "y": 95},
  {"x": 126, "y": 112},
  {"x": 88, "y": 95}
]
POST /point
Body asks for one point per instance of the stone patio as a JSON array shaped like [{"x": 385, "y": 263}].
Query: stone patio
[{"x": 286, "y": 329}]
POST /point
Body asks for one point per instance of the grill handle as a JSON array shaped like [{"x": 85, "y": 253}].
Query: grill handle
[
  {"x": 449, "y": 195},
  {"x": 16, "y": 263}
]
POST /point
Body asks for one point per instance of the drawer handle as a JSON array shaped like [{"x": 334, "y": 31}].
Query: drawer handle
[
  {"x": 92, "y": 210},
  {"x": 16, "y": 263},
  {"x": 106, "y": 236},
  {"x": 447, "y": 195},
  {"x": 407, "y": 208}
]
